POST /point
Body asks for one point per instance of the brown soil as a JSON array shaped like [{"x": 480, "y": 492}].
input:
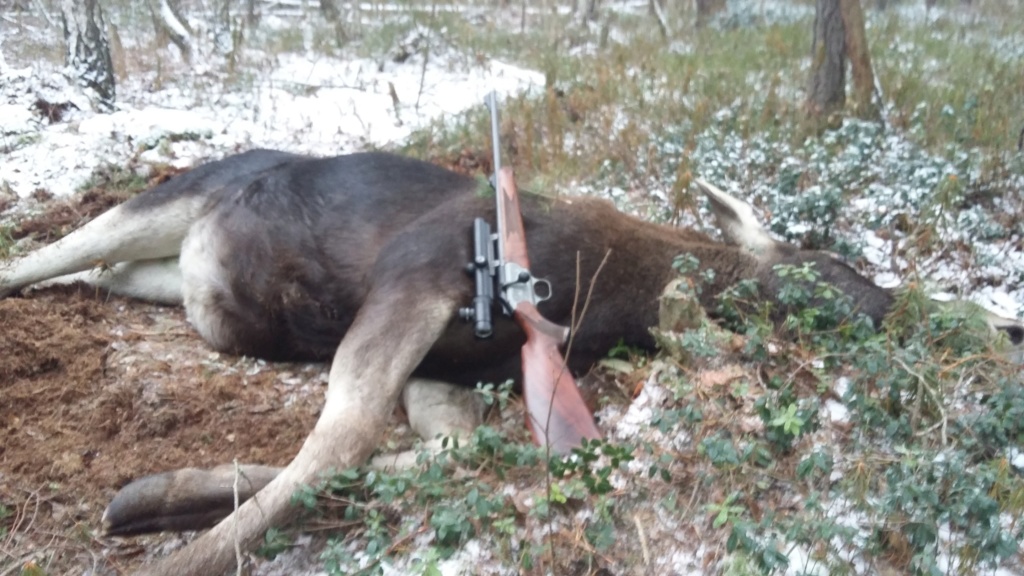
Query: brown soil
[
  {"x": 95, "y": 392},
  {"x": 63, "y": 216}
]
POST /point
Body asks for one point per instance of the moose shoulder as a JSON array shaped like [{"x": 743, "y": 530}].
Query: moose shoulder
[{"x": 361, "y": 259}]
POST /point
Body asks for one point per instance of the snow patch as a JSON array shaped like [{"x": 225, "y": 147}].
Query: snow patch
[{"x": 317, "y": 105}]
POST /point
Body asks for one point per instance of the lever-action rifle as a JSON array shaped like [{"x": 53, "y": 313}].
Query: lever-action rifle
[{"x": 556, "y": 414}]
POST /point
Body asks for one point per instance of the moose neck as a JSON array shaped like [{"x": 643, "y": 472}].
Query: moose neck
[{"x": 573, "y": 237}]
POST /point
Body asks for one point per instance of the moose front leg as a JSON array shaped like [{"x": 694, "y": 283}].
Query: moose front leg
[
  {"x": 195, "y": 499},
  {"x": 394, "y": 329},
  {"x": 437, "y": 410},
  {"x": 185, "y": 499}
]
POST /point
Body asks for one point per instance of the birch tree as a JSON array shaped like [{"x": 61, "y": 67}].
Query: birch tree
[
  {"x": 171, "y": 25},
  {"x": 87, "y": 56}
]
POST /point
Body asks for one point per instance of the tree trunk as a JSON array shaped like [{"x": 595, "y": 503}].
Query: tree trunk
[
  {"x": 333, "y": 14},
  {"x": 584, "y": 11},
  {"x": 656, "y": 10},
  {"x": 826, "y": 91},
  {"x": 330, "y": 10},
  {"x": 707, "y": 9},
  {"x": 222, "y": 27},
  {"x": 860, "y": 60},
  {"x": 170, "y": 25},
  {"x": 252, "y": 14},
  {"x": 117, "y": 54},
  {"x": 88, "y": 51}
]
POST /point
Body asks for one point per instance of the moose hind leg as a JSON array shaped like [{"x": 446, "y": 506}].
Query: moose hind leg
[
  {"x": 156, "y": 281},
  {"x": 208, "y": 271},
  {"x": 118, "y": 235},
  {"x": 438, "y": 408}
]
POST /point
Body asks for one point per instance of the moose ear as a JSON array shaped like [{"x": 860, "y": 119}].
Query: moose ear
[
  {"x": 736, "y": 220},
  {"x": 1014, "y": 331}
]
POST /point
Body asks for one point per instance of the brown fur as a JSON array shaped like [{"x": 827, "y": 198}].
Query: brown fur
[{"x": 304, "y": 242}]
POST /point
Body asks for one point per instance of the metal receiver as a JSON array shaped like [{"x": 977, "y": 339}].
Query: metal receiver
[{"x": 513, "y": 284}]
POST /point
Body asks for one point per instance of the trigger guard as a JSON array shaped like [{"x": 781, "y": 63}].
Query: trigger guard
[{"x": 547, "y": 290}]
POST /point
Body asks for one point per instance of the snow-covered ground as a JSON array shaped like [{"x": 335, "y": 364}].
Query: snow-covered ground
[{"x": 314, "y": 104}]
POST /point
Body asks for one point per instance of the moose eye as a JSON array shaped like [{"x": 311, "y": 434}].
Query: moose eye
[{"x": 1015, "y": 333}]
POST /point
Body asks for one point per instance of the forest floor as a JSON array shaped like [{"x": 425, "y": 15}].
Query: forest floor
[{"x": 821, "y": 451}]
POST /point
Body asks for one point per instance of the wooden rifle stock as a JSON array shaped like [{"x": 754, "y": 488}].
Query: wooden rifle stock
[{"x": 555, "y": 411}]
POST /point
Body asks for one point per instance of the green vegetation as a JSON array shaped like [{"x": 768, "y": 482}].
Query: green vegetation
[
  {"x": 6, "y": 242},
  {"x": 5, "y": 513},
  {"x": 829, "y": 444},
  {"x": 112, "y": 179},
  {"x": 915, "y": 475}
]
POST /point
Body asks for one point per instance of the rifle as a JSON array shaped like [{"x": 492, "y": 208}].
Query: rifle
[{"x": 556, "y": 414}]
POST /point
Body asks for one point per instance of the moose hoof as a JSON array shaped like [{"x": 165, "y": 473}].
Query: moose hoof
[{"x": 186, "y": 499}]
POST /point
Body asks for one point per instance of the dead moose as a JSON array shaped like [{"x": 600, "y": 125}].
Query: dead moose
[{"x": 360, "y": 258}]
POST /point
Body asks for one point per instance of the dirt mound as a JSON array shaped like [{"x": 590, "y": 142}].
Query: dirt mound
[
  {"x": 95, "y": 392},
  {"x": 63, "y": 216},
  {"x": 50, "y": 359},
  {"x": 60, "y": 216}
]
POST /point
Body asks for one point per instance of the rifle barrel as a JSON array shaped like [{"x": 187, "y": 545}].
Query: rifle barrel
[{"x": 492, "y": 103}]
